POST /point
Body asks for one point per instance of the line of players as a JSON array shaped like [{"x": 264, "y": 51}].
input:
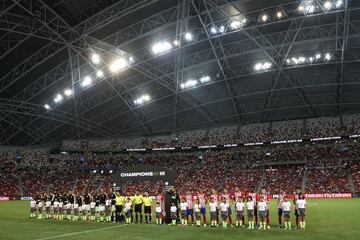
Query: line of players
[
  {"x": 114, "y": 207},
  {"x": 253, "y": 205}
]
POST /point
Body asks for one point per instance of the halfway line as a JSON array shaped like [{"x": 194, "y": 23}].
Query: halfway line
[{"x": 75, "y": 233}]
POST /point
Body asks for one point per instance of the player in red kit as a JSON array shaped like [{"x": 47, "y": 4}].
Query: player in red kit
[
  {"x": 160, "y": 198},
  {"x": 202, "y": 200},
  {"x": 255, "y": 197},
  {"x": 190, "y": 210},
  {"x": 228, "y": 200},
  {"x": 214, "y": 195},
  {"x": 267, "y": 200},
  {"x": 239, "y": 195}
]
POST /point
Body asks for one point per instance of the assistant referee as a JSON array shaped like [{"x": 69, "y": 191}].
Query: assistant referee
[
  {"x": 147, "y": 207},
  {"x": 138, "y": 201}
]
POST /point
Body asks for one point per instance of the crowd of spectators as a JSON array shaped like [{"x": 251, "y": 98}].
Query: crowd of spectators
[
  {"x": 281, "y": 166},
  {"x": 355, "y": 173},
  {"x": 256, "y": 132}
]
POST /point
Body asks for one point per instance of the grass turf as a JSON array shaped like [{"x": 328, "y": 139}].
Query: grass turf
[{"x": 326, "y": 219}]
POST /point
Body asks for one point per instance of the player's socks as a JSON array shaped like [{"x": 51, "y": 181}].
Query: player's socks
[
  {"x": 141, "y": 218},
  {"x": 289, "y": 225},
  {"x": 261, "y": 225},
  {"x": 204, "y": 218},
  {"x": 264, "y": 225},
  {"x": 186, "y": 222},
  {"x": 192, "y": 219},
  {"x": 174, "y": 222},
  {"x": 241, "y": 223},
  {"x": 252, "y": 225},
  {"x": 280, "y": 220},
  {"x": 236, "y": 223},
  {"x": 146, "y": 218},
  {"x": 304, "y": 225},
  {"x": 230, "y": 220},
  {"x": 40, "y": 216},
  {"x": 160, "y": 221}
]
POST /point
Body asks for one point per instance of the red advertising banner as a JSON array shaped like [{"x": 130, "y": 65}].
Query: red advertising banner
[
  {"x": 3, "y": 198},
  {"x": 328, "y": 195}
]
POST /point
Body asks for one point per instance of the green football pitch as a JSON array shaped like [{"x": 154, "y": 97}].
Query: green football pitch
[{"x": 326, "y": 219}]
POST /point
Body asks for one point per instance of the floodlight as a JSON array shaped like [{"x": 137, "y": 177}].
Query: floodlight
[
  {"x": 131, "y": 59},
  {"x": 94, "y": 171},
  {"x": 222, "y": 29},
  {"x": 118, "y": 64},
  {"x": 264, "y": 17},
  {"x": 318, "y": 56},
  {"x": 86, "y": 82},
  {"x": 310, "y": 9},
  {"x": 279, "y": 14},
  {"x": 235, "y": 24},
  {"x": 161, "y": 47},
  {"x": 95, "y": 58},
  {"x": 141, "y": 100},
  {"x": 327, "y": 56},
  {"x": 188, "y": 36},
  {"x": 205, "y": 79},
  {"x": 339, "y": 3},
  {"x": 58, "y": 98},
  {"x": 68, "y": 92},
  {"x": 244, "y": 20},
  {"x": 258, "y": 66},
  {"x": 47, "y": 106},
  {"x": 327, "y": 5},
  {"x": 301, "y": 8},
  {"x": 301, "y": 59},
  {"x": 99, "y": 74},
  {"x": 213, "y": 30},
  {"x": 111, "y": 171},
  {"x": 311, "y": 59},
  {"x": 176, "y": 42}
]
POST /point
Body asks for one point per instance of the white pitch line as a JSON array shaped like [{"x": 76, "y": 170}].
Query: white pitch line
[{"x": 75, "y": 233}]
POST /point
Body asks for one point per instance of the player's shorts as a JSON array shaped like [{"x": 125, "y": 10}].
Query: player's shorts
[
  {"x": 184, "y": 214},
  {"x": 250, "y": 213},
  {"x": 108, "y": 208},
  {"x": 158, "y": 215},
  {"x": 113, "y": 209},
  {"x": 47, "y": 209},
  {"x": 224, "y": 214},
  {"x": 86, "y": 207},
  {"x": 56, "y": 204},
  {"x": 68, "y": 206},
  {"x": 119, "y": 208},
  {"x": 61, "y": 205},
  {"x": 173, "y": 215},
  {"x": 76, "y": 206},
  {"x": 197, "y": 214},
  {"x": 147, "y": 209},
  {"x": 287, "y": 214},
  {"x": 128, "y": 214},
  {"x": 239, "y": 214},
  {"x": 280, "y": 211},
  {"x": 301, "y": 212},
  {"x": 203, "y": 210},
  {"x": 190, "y": 212},
  {"x": 92, "y": 211},
  {"x": 101, "y": 208},
  {"x": 40, "y": 205},
  {"x": 97, "y": 209},
  {"x": 213, "y": 215},
  {"x": 262, "y": 214},
  {"x": 137, "y": 208}
]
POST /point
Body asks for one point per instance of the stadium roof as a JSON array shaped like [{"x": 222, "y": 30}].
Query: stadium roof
[{"x": 181, "y": 64}]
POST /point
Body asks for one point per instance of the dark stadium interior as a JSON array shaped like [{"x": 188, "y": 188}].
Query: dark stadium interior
[{"x": 46, "y": 47}]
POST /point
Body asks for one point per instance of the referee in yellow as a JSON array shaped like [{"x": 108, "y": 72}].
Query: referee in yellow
[
  {"x": 147, "y": 207},
  {"x": 138, "y": 201},
  {"x": 119, "y": 204}
]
